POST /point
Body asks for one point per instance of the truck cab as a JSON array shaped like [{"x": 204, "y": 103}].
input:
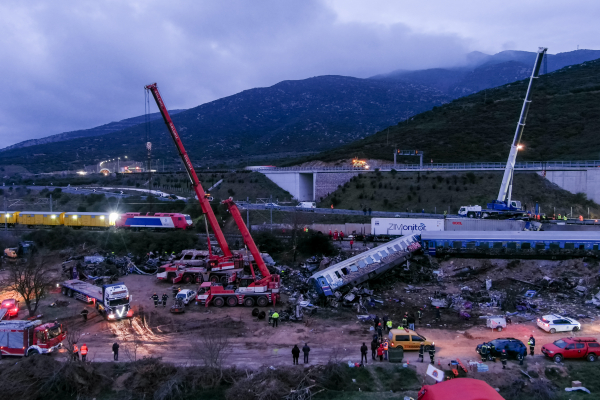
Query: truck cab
[
  {"x": 116, "y": 301},
  {"x": 573, "y": 347},
  {"x": 25, "y": 338}
]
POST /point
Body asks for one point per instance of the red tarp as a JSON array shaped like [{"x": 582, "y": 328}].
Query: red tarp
[{"x": 459, "y": 389}]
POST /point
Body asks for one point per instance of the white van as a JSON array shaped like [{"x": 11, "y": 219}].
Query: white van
[{"x": 307, "y": 204}]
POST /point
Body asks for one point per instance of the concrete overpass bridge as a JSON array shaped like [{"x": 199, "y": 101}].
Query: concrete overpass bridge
[{"x": 312, "y": 183}]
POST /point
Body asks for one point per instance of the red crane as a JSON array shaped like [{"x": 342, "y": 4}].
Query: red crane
[{"x": 258, "y": 291}]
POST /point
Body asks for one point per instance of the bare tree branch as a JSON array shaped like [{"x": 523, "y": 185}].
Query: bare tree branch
[{"x": 31, "y": 279}]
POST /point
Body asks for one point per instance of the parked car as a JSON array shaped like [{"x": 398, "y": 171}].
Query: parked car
[
  {"x": 407, "y": 339},
  {"x": 11, "y": 306},
  {"x": 272, "y": 205},
  {"x": 186, "y": 295},
  {"x": 513, "y": 347},
  {"x": 556, "y": 323},
  {"x": 573, "y": 347}
]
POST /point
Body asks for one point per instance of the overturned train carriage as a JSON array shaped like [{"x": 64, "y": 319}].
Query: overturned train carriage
[
  {"x": 366, "y": 265},
  {"x": 521, "y": 244}
]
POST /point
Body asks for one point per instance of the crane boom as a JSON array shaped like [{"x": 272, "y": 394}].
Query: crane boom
[
  {"x": 504, "y": 195},
  {"x": 235, "y": 213},
  {"x": 202, "y": 197}
]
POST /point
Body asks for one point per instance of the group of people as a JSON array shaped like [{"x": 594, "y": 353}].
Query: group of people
[
  {"x": 84, "y": 351},
  {"x": 155, "y": 298},
  {"x": 296, "y": 353},
  {"x": 336, "y": 236},
  {"x": 487, "y": 352}
]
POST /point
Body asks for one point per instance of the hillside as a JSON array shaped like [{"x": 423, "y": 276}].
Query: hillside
[
  {"x": 446, "y": 191},
  {"x": 290, "y": 117},
  {"x": 97, "y": 131},
  {"x": 486, "y": 71},
  {"x": 562, "y": 124}
]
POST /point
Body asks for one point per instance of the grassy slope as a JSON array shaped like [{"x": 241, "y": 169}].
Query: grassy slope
[
  {"x": 563, "y": 122},
  {"x": 448, "y": 191}
]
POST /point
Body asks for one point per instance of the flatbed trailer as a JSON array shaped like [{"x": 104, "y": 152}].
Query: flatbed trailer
[{"x": 111, "y": 301}]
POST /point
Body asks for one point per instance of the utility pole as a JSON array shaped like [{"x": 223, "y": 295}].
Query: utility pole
[
  {"x": 50, "y": 202},
  {"x": 271, "y": 208}
]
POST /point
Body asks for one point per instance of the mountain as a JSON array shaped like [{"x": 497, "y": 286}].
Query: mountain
[
  {"x": 288, "y": 118},
  {"x": 562, "y": 124},
  {"x": 97, "y": 131},
  {"x": 486, "y": 71}
]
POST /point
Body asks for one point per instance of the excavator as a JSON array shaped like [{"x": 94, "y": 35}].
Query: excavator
[{"x": 247, "y": 290}]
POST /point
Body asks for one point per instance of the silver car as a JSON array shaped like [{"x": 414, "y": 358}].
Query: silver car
[{"x": 557, "y": 323}]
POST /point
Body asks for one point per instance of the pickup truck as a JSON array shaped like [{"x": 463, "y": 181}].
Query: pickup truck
[{"x": 573, "y": 347}]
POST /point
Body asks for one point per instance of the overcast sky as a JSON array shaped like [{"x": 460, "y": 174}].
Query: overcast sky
[{"x": 67, "y": 65}]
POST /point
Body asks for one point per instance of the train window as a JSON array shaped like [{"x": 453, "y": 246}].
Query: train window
[
  {"x": 540, "y": 246},
  {"x": 569, "y": 246},
  {"x": 554, "y": 246},
  {"x": 345, "y": 271},
  {"x": 457, "y": 245},
  {"x": 497, "y": 245},
  {"x": 595, "y": 247},
  {"x": 511, "y": 245},
  {"x": 581, "y": 246},
  {"x": 525, "y": 246},
  {"x": 338, "y": 275},
  {"x": 484, "y": 245},
  {"x": 471, "y": 245}
]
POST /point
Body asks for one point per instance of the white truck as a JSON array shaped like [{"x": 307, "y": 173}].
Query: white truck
[
  {"x": 112, "y": 301},
  {"x": 307, "y": 204}
]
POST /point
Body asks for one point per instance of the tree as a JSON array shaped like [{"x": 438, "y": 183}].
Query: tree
[
  {"x": 315, "y": 244},
  {"x": 31, "y": 279}
]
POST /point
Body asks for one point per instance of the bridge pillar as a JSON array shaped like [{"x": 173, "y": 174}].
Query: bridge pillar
[
  {"x": 582, "y": 181},
  {"x": 300, "y": 185}
]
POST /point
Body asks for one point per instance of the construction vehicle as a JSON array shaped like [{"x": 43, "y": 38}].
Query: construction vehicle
[
  {"x": 112, "y": 300},
  {"x": 197, "y": 266},
  {"x": 504, "y": 206},
  {"x": 245, "y": 288},
  {"x": 22, "y": 250},
  {"x": 26, "y": 338}
]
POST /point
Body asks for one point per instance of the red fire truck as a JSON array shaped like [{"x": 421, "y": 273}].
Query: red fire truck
[{"x": 26, "y": 338}]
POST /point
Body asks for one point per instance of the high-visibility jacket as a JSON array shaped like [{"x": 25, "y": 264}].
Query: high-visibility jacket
[
  {"x": 565, "y": 217},
  {"x": 404, "y": 321},
  {"x": 401, "y": 327},
  {"x": 84, "y": 350},
  {"x": 75, "y": 349},
  {"x": 389, "y": 324},
  {"x": 385, "y": 346},
  {"x": 275, "y": 315}
]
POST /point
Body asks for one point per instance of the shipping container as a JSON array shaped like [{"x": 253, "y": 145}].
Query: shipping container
[
  {"x": 473, "y": 224},
  {"x": 404, "y": 226}
]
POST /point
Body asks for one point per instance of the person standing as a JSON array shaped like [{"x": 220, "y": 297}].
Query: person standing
[
  {"x": 521, "y": 355},
  {"x": 432, "y": 352},
  {"x": 365, "y": 210},
  {"x": 386, "y": 347},
  {"x": 275, "y": 318},
  {"x": 420, "y": 315},
  {"x": 379, "y": 332},
  {"x": 351, "y": 243},
  {"x": 380, "y": 352},
  {"x": 341, "y": 236},
  {"x": 84, "y": 351},
  {"x": 421, "y": 351},
  {"x": 374, "y": 346},
  {"x": 155, "y": 298},
  {"x": 484, "y": 352},
  {"x": 405, "y": 321},
  {"x": 531, "y": 344},
  {"x": 411, "y": 322},
  {"x": 438, "y": 314},
  {"x": 116, "y": 351},
  {"x": 75, "y": 352},
  {"x": 164, "y": 299},
  {"x": 389, "y": 325},
  {"x": 503, "y": 358},
  {"x": 306, "y": 350},
  {"x": 295, "y": 354},
  {"x": 330, "y": 235},
  {"x": 376, "y": 321},
  {"x": 84, "y": 314},
  {"x": 363, "y": 353}
]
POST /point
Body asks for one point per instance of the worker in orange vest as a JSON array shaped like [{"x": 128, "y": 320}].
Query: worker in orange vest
[
  {"x": 385, "y": 349},
  {"x": 75, "y": 353},
  {"x": 581, "y": 217},
  {"x": 84, "y": 351}
]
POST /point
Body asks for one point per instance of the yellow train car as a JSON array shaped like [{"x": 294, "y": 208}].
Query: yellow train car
[
  {"x": 88, "y": 219},
  {"x": 9, "y": 218},
  {"x": 36, "y": 218}
]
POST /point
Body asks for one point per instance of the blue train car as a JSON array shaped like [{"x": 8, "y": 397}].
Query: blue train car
[{"x": 522, "y": 243}]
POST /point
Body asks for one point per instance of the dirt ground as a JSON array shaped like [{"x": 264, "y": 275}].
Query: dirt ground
[{"x": 331, "y": 333}]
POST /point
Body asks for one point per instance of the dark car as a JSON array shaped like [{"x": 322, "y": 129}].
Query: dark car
[{"x": 513, "y": 347}]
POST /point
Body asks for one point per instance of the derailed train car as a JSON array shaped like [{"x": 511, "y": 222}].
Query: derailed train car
[{"x": 521, "y": 244}]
